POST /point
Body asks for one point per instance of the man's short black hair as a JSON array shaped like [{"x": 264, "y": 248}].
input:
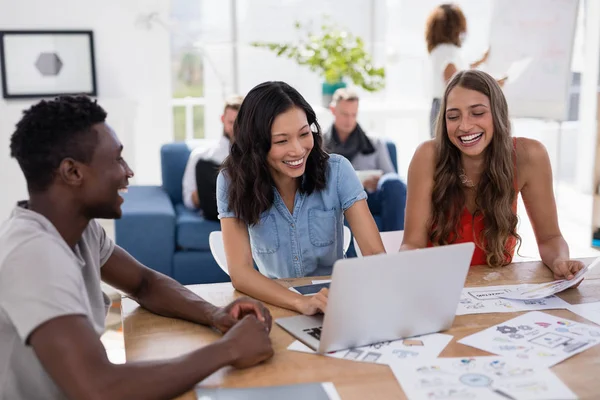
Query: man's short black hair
[{"x": 51, "y": 131}]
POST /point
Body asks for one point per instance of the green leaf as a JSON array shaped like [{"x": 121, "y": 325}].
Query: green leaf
[{"x": 334, "y": 53}]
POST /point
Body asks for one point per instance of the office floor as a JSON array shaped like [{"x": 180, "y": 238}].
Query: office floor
[{"x": 574, "y": 213}]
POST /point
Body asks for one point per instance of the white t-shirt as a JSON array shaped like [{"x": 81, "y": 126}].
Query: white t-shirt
[
  {"x": 440, "y": 57},
  {"x": 42, "y": 278},
  {"x": 215, "y": 153}
]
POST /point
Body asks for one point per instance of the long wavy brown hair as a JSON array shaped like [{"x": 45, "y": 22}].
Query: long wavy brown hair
[
  {"x": 496, "y": 191},
  {"x": 444, "y": 25}
]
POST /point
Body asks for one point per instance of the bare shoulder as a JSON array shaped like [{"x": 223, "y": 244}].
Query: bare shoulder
[
  {"x": 532, "y": 161},
  {"x": 530, "y": 153},
  {"x": 425, "y": 154},
  {"x": 422, "y": 166}
]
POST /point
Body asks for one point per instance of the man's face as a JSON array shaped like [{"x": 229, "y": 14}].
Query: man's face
[
  {"x": 345, "y": 112},
  {"x": 105, "y": 176},
  {"x": 228, "y": 118}
]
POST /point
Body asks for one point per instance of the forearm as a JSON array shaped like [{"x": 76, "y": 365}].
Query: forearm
[
  {"x": 373, "y": 245},
  {"x": 476, "y": 64},
  {"x": 161, "y": 379},
  {"x": 165, "y": 296},
  {"x": 258, "y": 286},
  {"x": 553, "y": 249}
]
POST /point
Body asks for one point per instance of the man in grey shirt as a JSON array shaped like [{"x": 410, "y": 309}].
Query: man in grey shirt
[
  {"x": 53, "y": 255},
  {"x": 387, "y": 193}
]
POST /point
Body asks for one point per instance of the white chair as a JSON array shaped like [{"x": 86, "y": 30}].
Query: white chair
[
  {"x": 391, "y": 242},
  {"x": 215, "y": 241},
  {"x": 347, "y": 238}
]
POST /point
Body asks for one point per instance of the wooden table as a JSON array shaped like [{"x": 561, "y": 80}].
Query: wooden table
[{"x": 148, "y": 336}]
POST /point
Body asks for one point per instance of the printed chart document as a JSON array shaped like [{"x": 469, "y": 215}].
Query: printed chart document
[
  {"x": 542, "y": 290},
  {"x": 589, "y": 311},
  {"x": 417, "y": 347},
  {"x": 478, "y": 378},
  {"x": 537, "y": 338},
  {"x": 490, "y": 299},
  {"x": 317, "y": 391}
]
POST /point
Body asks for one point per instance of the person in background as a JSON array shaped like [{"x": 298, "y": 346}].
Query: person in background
[
  {"x": 282, "y": 200},
  {"x": 463, "y": 185},
  {"x": 53, "y": 255},
  {"x": 445, "y": 32},
  {"x": 200, "y": 176},
  {"x": 386, "y": 192}
]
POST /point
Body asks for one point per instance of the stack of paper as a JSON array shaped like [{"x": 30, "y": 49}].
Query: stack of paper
[
  {"x": 492, "y": 299},
  {"x": 542, "y": 290}
]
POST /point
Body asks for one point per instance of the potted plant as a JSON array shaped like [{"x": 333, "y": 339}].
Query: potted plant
[{"x": 336, "y": 54}]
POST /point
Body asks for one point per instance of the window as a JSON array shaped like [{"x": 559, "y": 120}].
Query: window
[{"x": 187, "y": 68}]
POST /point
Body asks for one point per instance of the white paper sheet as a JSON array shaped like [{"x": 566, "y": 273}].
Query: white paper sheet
[
  {"x": 589, "y": 311},
  {"x": 478, "y": 378},
  {"x": 489, "y": 299},
  {"x": 542, "y": 290},
  {"x": 536, "y": 337},
  {"x": 517, "y": 68},
  {"x": 316, "y": 282},
  {"x": 418, "y": 347}
]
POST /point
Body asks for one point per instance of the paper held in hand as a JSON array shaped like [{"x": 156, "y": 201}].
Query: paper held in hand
[
  {"x": 369, "y": 173},
  {"x": 542, "y": 290}
]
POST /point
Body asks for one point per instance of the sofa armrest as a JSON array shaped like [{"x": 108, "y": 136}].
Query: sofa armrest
[{"x": 147, "y": 227}]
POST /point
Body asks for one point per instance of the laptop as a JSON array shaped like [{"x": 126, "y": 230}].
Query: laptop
[{"x": 386, "y": 297}]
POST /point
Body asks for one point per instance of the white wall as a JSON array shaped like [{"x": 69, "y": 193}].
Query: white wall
[
  {"x": 133, "y": 76},
  {"x": 392, "y": 29},
  {"x": 589, "y": 99}
]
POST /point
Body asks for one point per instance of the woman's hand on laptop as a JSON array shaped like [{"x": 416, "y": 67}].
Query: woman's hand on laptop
[{"x": 310, "y": 305}]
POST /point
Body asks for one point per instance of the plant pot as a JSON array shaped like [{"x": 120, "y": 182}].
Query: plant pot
[{"x": 328, "y": 89}]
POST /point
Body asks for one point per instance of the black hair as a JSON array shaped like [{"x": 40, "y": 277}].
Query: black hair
[
  {"x": 251, "y": 185},
  {"x": 51, "y": 131}
]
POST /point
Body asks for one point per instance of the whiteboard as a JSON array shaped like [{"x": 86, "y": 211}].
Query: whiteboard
[{"x": 531, "y": 41}]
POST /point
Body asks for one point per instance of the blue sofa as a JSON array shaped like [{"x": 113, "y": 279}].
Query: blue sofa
[{"x": 158, "y": 230}]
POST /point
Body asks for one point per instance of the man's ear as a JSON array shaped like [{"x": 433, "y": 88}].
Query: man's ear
[
  {"x": 70, "y": 172},
  {"x": 332, "y": 109},
  {"x": 223, "y": 118}
]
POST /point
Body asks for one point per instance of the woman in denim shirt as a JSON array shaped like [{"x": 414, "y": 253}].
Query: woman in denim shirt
[{"x": 282, "y": 199}]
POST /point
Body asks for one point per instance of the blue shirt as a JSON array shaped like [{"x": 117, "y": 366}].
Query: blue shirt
[{"x": 308, "y": 241}]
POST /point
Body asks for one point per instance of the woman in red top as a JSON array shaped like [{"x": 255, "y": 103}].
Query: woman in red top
[{"x": 463, "y": 185}]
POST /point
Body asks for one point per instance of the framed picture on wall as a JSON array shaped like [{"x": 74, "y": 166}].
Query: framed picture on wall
[{"x": 47, "y": 63}]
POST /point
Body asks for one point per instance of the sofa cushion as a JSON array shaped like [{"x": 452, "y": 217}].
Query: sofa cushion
[
  {"x": 192, "y": 229},
  {"x": 173, "y": 159},
  {"x": 391, "y": 146}
]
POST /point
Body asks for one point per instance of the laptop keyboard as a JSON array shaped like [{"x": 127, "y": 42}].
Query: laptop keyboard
[{"x": 314, "y": 332}]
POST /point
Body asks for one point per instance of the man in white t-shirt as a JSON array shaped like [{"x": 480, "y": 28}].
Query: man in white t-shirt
[
  {"x": 53, "y": 255},
  {"x": 200, "y": 176}
]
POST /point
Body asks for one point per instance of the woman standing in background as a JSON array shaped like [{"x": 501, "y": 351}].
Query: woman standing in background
[{"x": 445, "y": 32}]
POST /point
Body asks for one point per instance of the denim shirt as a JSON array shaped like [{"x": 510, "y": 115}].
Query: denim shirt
[{"x": 308, "y": 241}]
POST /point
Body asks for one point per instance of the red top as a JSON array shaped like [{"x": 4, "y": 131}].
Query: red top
[{"x": 471, "y": 226}]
